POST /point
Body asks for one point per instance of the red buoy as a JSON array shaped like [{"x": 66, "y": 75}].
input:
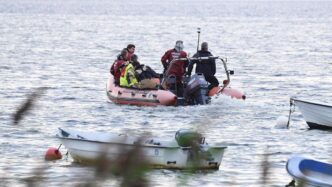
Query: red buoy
[{"x": 52, "y": 154}]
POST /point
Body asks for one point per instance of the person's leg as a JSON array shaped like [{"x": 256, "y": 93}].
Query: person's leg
[
  {"x": 152, "y": 73},
  {"x": 148, "y": 84},
  {"x": 179, "y": 89},
  {"x": 212, "y": 80}
]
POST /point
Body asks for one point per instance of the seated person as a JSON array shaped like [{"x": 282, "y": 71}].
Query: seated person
[
  {"x": 129, "y": 77},
  {"x": 143, "y": 71},
  {"x": 118, "y": 66}
]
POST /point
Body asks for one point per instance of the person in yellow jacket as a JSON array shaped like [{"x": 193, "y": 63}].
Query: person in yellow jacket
[{"x": 128, "y": 79}]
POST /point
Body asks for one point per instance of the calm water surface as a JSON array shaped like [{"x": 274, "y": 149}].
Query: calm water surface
[{"x": 278, "y": 49}]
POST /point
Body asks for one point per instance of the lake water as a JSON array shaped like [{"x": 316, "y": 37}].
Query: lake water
[{"x": 278, "y": 49}]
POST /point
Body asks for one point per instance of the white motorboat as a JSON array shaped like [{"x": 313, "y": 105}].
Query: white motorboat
[
  {"x": 309, "y": 172},
  {"x": 316, "y": 115},
  {"x": 85, "y": 147}
]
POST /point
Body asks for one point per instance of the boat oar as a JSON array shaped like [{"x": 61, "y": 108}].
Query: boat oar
[{"x": 291, "y": 103}]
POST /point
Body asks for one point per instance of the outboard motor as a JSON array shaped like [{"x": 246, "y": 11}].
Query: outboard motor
[
  {"x": 186, "y": 138},
  {"x": 196, "y": 90},
  {"x": 195, "y": 140}
]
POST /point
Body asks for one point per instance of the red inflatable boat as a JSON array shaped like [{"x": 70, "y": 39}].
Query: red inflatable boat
[
  {"x": 128, "y": 96},
  {"x": 196, "y": 93}
]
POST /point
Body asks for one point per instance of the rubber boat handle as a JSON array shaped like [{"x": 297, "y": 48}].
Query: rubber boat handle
[
  {"x": 213, "y": 163},
  {"x": 199, "y": 58}
]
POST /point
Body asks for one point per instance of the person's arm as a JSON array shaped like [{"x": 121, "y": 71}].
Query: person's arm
[
  {"x": 112, "y": 69},
  {"x": 184, "y": 55},
  {"x": 213, "y": 65},
  {"x": 165, "y": 58},
  {"x": 191, "y": 64},
  {"x": 190, "y": 67},
  {"x": 131, "y": 78}
]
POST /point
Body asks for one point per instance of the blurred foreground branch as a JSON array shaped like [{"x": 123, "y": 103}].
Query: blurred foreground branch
[{"x": 27, "y": 105}]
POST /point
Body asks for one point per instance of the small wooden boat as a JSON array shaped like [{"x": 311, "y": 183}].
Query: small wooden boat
[
  {"x": 87, "y": 147},
  {"x": 318, "y": 116},
  {"x": 308, "y": 172}
]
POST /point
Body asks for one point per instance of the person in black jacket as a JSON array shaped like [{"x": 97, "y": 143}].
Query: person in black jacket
[{"x": 206, "y": 67}]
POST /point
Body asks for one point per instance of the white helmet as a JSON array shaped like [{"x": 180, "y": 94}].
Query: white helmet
[{"x": 179, "y": 45}]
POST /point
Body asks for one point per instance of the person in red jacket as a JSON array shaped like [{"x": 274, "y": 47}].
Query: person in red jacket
[
  {"x": 175, "y": 67},
  {"x": 130, "y": 50},
  {"x": 119, "y": 65}
]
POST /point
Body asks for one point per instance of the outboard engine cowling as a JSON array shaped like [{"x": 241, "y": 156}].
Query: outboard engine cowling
[
  {"x": 186, "y": 138},
  {"x": 196, "y": 90}
]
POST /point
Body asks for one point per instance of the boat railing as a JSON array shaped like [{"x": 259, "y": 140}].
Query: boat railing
[{"x": 223, "y": 61}]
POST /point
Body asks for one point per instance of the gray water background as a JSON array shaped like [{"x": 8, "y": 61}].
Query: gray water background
[{"x": 278, "y": 49}]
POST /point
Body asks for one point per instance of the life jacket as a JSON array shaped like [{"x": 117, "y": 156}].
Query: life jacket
[
  {"x": 177, "y": 68},
  {"x": 170, "y": 55},
  {"x": 127, "y": 78},
  {"x": 117, "y": 69},
  {"x": 129, "y": 55}
]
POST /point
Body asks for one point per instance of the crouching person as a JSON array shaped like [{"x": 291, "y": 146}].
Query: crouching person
[
  {"x": 128, "y": 79},
  {"x": 142, "y": 71}
]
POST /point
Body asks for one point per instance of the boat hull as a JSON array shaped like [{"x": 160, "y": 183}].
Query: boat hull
[
  {"x": 127, "y": 96},
  {"x": 309, "y": 173},
  {"x": 158, "y": 153},
  {"x": 233, "y": 93},
  {"x": 317, "y": 116}
]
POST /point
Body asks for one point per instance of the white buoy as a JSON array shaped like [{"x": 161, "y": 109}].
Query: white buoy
[{"x": 281, "y": 122}]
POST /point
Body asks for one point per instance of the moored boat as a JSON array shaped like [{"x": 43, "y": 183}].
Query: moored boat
[
  {"x": 309, "y": 172},
  {"x": 87, "y": 147},
  {"x": 317, "y": 115}
]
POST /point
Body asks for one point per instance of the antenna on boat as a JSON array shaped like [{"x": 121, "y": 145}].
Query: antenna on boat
[{"x": 198, "y": 32}]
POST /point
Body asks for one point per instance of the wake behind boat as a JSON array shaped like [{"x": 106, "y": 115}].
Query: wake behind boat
[
  {"x": 318, "y": 116},
  {"x": 176, "y": 153},
  {"x": 309, "y": 172}
]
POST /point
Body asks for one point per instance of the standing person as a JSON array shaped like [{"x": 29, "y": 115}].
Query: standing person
[
  {"x": 175, "y": 53},
  {"x": 206, "y": 67},
  {"x": 119, "y": 65},
  {"x": 177, "y": 67}
]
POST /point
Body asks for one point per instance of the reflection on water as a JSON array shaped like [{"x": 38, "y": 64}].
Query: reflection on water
[{"x": 277, "y": 50}]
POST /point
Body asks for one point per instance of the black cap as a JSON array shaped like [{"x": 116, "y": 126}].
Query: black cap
[{"x": 204, "y": 46}]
